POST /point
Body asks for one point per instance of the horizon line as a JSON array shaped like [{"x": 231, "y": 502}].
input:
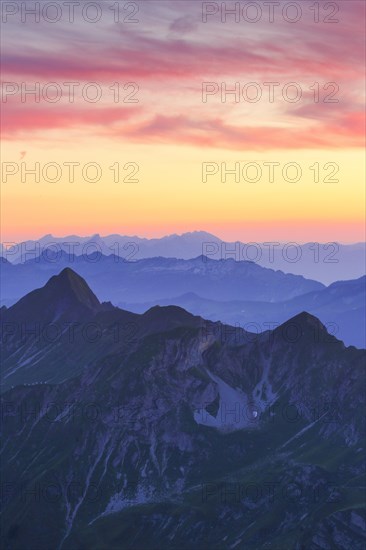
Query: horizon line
[{"x": 169, "y": 235}]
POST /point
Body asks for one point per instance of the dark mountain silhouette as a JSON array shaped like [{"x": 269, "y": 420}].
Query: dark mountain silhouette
[
  {"x": 63, "y": 326},
  {"x": 66, "y": 295},
  {"x": 341, "y": 307},
  {"x": 142, "y": 438}
]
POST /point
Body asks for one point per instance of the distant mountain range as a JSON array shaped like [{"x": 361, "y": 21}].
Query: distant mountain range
[
  {"x": 233, "y": 292},
  {"x": 159, "y": 278},
  {"x": 325, "y": 262},
  {"x": 141, "y": 438},
  {"x": 341, "y": 307}
]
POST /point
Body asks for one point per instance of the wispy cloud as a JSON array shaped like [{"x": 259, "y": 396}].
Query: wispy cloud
[{"x": 182, "y": 56}]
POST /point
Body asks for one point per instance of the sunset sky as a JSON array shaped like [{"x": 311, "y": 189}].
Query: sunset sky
[{"x": 169, "y": 132}]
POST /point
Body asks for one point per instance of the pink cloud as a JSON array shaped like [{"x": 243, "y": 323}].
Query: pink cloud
[
  {"x": 126, "y": 124},
  {"x": 149, "y": 58},
  {"x": 345, "y": 131},
  {"x": 283, "y": 53},
  {"x": 30, "y": 118}
]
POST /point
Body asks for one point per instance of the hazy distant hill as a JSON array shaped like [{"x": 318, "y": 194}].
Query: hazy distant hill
[
  {"x": 341, "y": 307},
  {"x": 325, "y": 262},
  {"x": 116, "y": 280}
]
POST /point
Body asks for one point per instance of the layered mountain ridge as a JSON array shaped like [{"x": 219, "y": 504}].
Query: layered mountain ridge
[
  {"x": 341, "y": 307},
  {"x": 178, "y": 430},
  {"x": 326, "y": 262},
  {"x": 155, "y": 278}
]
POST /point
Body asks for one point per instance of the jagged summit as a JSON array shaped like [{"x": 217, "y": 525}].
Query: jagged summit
[
  {"x": 68, "y": 298},
  {"x": 303, "y": 325},
  {"x": 70, "y": 284},
  {"x": 304, "y": 320},
  {"x": 64, "y": 295}
]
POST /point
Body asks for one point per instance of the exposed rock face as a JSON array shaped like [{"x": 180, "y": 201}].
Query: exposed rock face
[{"x": 193, "y": 435}]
